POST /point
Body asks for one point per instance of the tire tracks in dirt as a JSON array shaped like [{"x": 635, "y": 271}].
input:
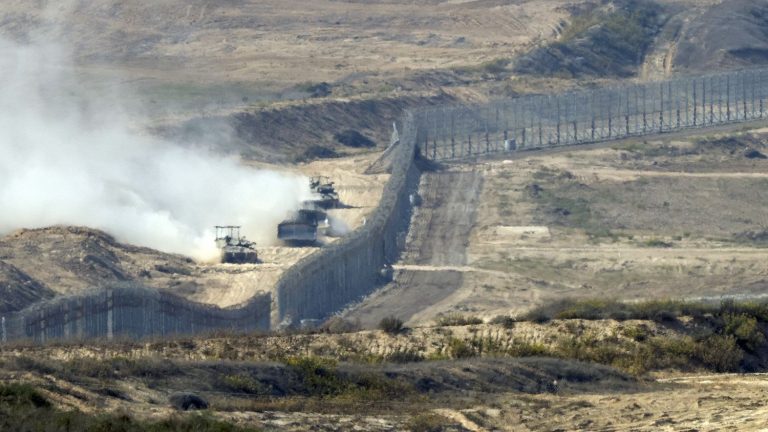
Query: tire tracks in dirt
[{"x": 432, "y": 267}]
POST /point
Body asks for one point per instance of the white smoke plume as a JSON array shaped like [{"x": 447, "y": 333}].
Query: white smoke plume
[{"x": 71, "y": 159}]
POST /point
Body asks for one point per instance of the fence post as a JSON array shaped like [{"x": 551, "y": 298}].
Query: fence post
[
  {"x": 453, "y": 135},
  {"x": 110, "y": 314},
  {"x": 695, "y": 105},
  {"x": 558, "y": 120},
  {"x": 744, "y": 94},
  {"x": 712, "y": 104},
  {"x": 661, "y": 106},
  {"x": 753, "y": 85},
  {"x": 728, "y": 97},
  {"x": 42, "y": 326},
  {"x": 469, "y": 141}
]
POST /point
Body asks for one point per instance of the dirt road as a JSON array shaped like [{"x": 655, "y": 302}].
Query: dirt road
[{"x": 436, "y": 248}]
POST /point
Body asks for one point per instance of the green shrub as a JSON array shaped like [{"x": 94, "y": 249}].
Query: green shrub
[
  {"x": 23, "y": 408},
  {"x": 318, "y": 375},
  {"x": 505, "y": 321},
  {"x": 242, "y": 384},
  {"x": 404, "y": 356},
  {"x": 720, "y": 353},
  {"x": 392, "y": 325},
  {"x": 745, "y": 329},
  {"x": 459, "y": 348},
  {"x": 656, "y": 243},
  {"x": 428, "y": 422},
  {"x": 528, "y": 349},
  {"x": 637, "y": 333},
  {"x": 21, "y": 395},
  {"x": 456, "y": 319}
]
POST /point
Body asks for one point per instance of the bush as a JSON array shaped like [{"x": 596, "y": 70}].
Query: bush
[
  {"x": 242, "y": 384},
  {"x": 315, "y": 90},
  {"x": 404, "y": 356},
  {"x": 745, "y": 329},
  {"x": 720, "y": 353},
  {"x": 656, "y": 243},
  {"x": 23, "y": 408},
  {"x": 428, "y": 422},
  {"x": 505, "y": 321},
  {"x": 318, "y": 375},
  {"x": 337, "y": 325},
  {"x": 459, "y": 349},
  {"x": 392, "y": 325},
  {"x": 22, "y": 395},
  {"x": 456, "y": 319}
]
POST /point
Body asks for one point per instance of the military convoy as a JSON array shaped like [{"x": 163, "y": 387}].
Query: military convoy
[{"x": 302, "y": 229}]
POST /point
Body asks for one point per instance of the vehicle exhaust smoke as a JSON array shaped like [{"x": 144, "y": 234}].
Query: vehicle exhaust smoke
[{"x": 67, "y": 158}]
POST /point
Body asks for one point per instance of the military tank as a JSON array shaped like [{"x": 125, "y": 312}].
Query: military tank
[
  {"x": 324, "y": 188},
  {"x": 235, "y": 249}
]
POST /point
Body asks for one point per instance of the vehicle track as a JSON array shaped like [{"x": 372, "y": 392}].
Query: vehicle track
[{"x": 436, "y": 248}]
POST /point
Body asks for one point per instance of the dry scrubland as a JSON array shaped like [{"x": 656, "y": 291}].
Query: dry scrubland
[
  {"x": 493, "y": 249},
  {"x": 592, "y": 365}
]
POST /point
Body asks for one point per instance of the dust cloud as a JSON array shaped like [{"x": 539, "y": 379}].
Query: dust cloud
[{"x": 68, "y": 158}]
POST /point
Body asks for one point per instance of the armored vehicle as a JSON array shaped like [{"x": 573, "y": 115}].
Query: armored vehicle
[{"x": 235, "y": 249}]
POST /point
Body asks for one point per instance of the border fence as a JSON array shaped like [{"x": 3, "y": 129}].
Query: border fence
[
  {"x": 133, "y": 311},
  {"x": 590, "y": 116},
  {"x": 351, "y": 268}
]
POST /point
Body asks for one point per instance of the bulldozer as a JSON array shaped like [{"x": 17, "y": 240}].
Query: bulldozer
[{"x": 302, "y": 228}]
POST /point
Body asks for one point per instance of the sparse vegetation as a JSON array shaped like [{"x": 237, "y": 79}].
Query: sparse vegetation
[
  {"x": 392, "y": 325},
  {"x": 658, "y": 243},
  {"x": 428, "y": 422},
  {"x": 609, "y": 41},
  {"x": 457, "y": 319},
  {"x": 23, "y": 408}
]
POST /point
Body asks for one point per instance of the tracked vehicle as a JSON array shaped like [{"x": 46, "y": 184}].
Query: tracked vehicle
[
  {"x": 235, "y": 249},
  {"x": 302, "y": 229},
  {"x": 323, "y": 186}
]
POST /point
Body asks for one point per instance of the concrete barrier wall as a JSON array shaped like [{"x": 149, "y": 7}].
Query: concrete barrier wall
[
  {"x": 130, "y": 311},
  {"x": 351, "y": 268}
]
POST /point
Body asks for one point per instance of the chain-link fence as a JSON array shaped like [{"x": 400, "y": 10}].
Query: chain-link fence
[{"x": 579, "y": 117}]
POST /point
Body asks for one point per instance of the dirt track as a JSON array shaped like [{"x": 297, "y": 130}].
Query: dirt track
[{"x": 436, "y": 247}]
